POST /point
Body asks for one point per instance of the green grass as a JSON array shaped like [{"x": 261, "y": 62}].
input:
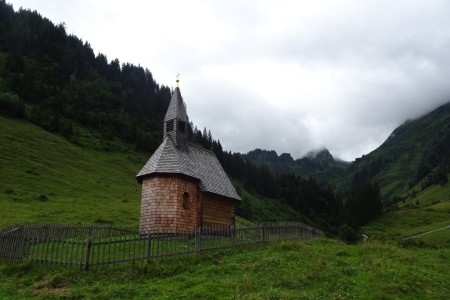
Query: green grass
[
  {"x": 242, "y": 223},
  {"x": 315, "y": 269},
  {"x": 262, "y": 209},
  {"x": 439, "y": 238},
  {"x": 432, "y": 195},
  {"x": 429, "y": 210},
  {"x": 395, "y": 163},
  {"x": 45, "y": 178}
]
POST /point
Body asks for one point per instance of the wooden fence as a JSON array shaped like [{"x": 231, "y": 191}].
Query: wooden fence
[{"x": 94, "y": 246}]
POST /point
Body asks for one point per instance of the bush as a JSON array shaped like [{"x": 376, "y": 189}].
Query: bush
[
  {"x": 42, "y": 198},
  {"x": 347, "y": 234},
  {"x": 11, "y": 105}
]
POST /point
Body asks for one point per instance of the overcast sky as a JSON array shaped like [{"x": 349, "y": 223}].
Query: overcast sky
[{"x": 290, "y": 76}]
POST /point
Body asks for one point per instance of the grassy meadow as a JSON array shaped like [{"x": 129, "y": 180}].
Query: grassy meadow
[
  {"x": 46, "y": 178},
  {"x": 314, "y": 269},
  {"x": 262, "y": 209},
  {"x": 89, "y": 180},
  {"x": 429, "y": 210}
]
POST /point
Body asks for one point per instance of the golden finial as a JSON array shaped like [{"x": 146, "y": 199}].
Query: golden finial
[{"x": 178, "y": 80}]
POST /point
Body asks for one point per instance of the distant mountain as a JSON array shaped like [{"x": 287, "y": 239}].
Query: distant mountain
[
  {"x": 43, "y": 174},
  {"x": 416, "y": 155},
  {"x": 277, "y": 164},
  {"x": 319, "y": 164},
  {"x": 57, "y": 82}
]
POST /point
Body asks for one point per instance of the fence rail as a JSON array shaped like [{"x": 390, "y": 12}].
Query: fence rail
[{"x": 94, "y": 246}]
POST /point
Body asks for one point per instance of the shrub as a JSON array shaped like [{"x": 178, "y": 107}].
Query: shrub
[
  {"x": 42, "y": 198},
  {"x": 11, "y": 105},
  {"x": 348, "y": 234}
]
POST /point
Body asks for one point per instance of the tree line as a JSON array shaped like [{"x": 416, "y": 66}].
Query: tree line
[
  {"x": 56, "y": 81},
  {"x": 320, "y": 204}
]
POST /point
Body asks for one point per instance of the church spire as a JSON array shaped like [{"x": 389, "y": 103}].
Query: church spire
[{"x": 176, "y": 121}]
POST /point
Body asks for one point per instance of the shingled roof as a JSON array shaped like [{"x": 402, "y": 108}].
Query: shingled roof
[
  {"x": 177, "y": 108},
  {"x": 196, "y": 162}
]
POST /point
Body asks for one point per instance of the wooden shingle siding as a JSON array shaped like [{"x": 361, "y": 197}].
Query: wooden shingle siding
[
  {"x": 162, "y": 204},
  {"x": 216, "y": 210}
]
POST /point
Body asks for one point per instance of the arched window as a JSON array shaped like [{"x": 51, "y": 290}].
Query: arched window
[{"x": 185, "y": 200}]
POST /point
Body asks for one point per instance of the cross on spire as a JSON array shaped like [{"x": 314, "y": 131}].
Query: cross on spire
[{"x": 178, "y": 79}]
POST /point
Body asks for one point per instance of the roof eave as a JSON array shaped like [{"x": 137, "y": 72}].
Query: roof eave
[{"x": 141, "y": 177}]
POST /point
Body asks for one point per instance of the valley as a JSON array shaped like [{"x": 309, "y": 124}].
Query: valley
[{"x": 76, "y": 128}]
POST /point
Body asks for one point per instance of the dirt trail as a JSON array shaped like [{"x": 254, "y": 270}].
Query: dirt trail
[{"x": 424, "y": 233}]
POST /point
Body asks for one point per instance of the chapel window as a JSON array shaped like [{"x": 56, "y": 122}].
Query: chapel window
[
  {"x": 169, "y": 125},
  {"x": 185, "y": 200}
]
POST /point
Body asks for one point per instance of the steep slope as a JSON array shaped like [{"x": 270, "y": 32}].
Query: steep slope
[
  {"x": 320, "y": 165},
  {"x": 55, "y": 80},
  {"x": 417, "y": 151},
  {"x": 428, "y": 210},
  {"x": 46, "y": 178}
]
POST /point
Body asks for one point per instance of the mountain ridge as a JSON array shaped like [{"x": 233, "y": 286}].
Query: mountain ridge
[
  {"x": 423, "y": 140},
  {"x": 415, "y": 150},
  {"x": 56, "y": 81},
  {"x": 319, "y": 164},
  {"x": 124, "y": 102}
]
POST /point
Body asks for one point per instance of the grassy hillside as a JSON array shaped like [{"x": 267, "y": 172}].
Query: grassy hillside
[
  {"x": 263, "y": 209},
  {"x": 45, "y": 178},
  {"x": 316, "y": 269},
  {"x": 428, "y": 210},
  {"x": 416, "y": 147}
]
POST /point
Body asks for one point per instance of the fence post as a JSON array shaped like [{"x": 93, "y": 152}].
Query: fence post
[
  {"x": 149, "y": 242},
  {"x": 88, "y": 251},
  {"x": 198, "y": 240},
  {"x": 233, "y": 236},
  {"x": 263, "y": 233}
]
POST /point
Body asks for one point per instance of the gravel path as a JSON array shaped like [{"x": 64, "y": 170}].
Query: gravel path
[{"x": 431, "y": 231}]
